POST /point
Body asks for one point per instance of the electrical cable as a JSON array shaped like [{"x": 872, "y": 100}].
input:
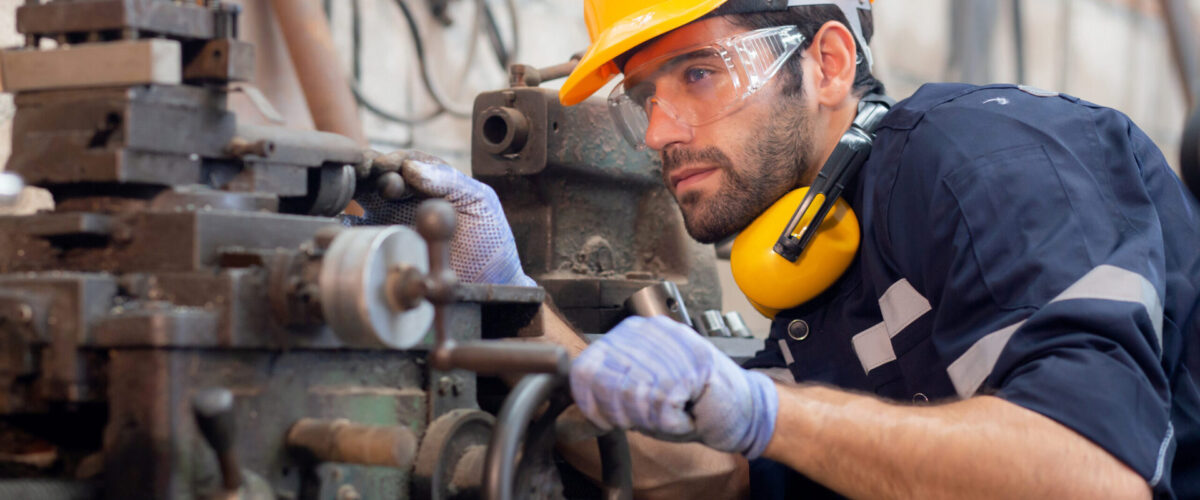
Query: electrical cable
[
  {"x": 419, "y": 46},
  {"x": 515, "y": 48},
  {"x": 356, "y": 72},
  {"x": 472, "y": 43},
  {"x": 493, "y": 32},
  {"x": 483, "y": 20},
  {"x": 504, "y": 55},
  {"x": 356, "y": 87}
]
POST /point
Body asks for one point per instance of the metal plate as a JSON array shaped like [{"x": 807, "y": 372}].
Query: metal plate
[{"x": 353, "y": 287}]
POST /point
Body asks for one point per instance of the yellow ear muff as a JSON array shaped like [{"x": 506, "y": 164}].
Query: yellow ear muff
[{"x": 771, "y": 282}]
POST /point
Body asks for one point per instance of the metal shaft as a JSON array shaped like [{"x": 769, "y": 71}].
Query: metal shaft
[
  {"x": 310, "y": 44},
  {"x": 346, "y": 442},
  {"x": 213, "y": 409}
]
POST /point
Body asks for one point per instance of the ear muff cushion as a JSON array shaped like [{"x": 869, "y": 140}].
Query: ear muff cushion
[{"x": 772, "y": 283}]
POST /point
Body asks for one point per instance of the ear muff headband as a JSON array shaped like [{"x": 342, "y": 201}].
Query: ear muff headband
[{"x": 781, "y": 270}]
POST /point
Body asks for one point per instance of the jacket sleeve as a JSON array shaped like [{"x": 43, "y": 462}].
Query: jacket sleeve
[{"x": 1039, "y": 248}]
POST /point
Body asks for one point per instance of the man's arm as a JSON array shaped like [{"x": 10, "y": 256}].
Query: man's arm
[
  {"x": 661, "y": 469},
  {"x": 858, "y": 445},
  {"x": 982, "y": 447}
]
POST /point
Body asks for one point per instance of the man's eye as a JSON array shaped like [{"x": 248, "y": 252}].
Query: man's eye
[
  {"x": 640, "y": 93},
  {"x": 693, "y": 75}
]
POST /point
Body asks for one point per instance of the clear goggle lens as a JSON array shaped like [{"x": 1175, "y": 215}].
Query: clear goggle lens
[{"x": 699, "y": 85}]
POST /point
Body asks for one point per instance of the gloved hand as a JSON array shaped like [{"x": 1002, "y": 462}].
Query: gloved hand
[
  {"x": 659, "y": 376},
  {"x": 482, "y": 250}
]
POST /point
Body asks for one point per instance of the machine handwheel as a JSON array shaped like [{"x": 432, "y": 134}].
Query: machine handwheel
[
  {"x": 354, "y": 292},
  {"x": 451, "y": 455},
  {"x": 516, "y": 470}
]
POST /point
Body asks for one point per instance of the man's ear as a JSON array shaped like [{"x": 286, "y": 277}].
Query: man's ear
[{"x": 834, "y": 55}]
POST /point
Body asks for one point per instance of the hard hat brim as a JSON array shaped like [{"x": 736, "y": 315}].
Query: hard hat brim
[{"x": 596, "y": 67}]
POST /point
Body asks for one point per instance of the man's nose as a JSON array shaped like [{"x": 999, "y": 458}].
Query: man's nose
[{"x": 664, "y": 129}]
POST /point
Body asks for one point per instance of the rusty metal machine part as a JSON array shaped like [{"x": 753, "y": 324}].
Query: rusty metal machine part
[
  {"x": 712, "y": 324},
  {"x": 520, "y": 432},
  {"x": 593, "y": 222},
  {"x": 450, "y": 461},
  {"x": 10, "y": 188},
  {"x": 213, "y": 409},
  {"x": 435, "y": 222},
  {"x": 660, "y": 299},
  {"x": 340, "y": 440},
  {"x": 737, "y": 325},
  {"x": 535, "y": 476},
  {"x": 361, "y": 261},
  {"x": 185, "y": 254}
]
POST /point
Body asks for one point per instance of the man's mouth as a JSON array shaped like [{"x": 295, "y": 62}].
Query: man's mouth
[{"x": 687, "y": 177}]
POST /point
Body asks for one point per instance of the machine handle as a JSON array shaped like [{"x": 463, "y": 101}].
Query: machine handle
[{"x": 213, "y": 409}]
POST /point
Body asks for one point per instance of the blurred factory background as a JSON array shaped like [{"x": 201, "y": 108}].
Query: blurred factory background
[{"x": 1116, "y": 53}]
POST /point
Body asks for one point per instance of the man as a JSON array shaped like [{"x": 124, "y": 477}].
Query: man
[{"x": 1012, "y": 325}]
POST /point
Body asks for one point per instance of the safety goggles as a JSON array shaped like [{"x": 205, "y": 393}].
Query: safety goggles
[{"x": 701, "y": 84}]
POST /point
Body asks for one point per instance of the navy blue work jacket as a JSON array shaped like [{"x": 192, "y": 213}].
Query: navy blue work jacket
[{"x": 1022, "y": 244}]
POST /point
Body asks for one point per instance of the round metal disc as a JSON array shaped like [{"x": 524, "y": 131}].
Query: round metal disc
[
  {"x": 353, "y": 284},
  {"x": 444, "y": 444}
]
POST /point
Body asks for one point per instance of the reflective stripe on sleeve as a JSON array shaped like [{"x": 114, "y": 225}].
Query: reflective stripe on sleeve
[
  {"x": 1113, "y": 283},
  {"x": 1105, "y": 282},
  {"x": 970, "y": 370}
]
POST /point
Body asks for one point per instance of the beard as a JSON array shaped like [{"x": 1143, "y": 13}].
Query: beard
[{"x": 771, "y": 167}]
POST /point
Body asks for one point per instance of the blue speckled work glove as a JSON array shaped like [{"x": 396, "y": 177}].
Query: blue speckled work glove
[
  {"x": 482, "y": 250},
  {"x": 660, "y": 377}
]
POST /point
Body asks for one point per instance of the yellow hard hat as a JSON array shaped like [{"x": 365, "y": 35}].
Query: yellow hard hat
[
  {"x": 617, "y": 26},
  {"x": 773, "y": 283}
]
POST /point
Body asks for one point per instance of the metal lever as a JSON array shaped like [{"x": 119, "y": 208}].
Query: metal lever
[
  {"x": 213, "y": 409},
  {"x": 10, "y": 189},
  {"x": 435, "y": 223}
]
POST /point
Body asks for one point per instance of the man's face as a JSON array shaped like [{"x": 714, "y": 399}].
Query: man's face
[{"x": 725, "y": 173}]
